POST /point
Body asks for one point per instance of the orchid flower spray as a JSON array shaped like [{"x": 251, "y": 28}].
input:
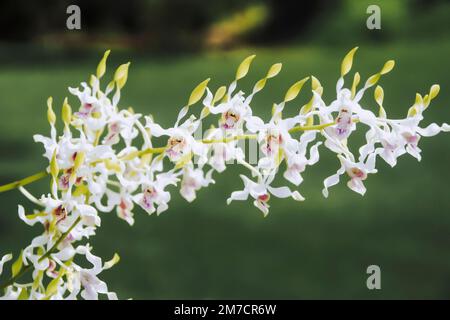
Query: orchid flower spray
[{"x": 104, "y": 160}]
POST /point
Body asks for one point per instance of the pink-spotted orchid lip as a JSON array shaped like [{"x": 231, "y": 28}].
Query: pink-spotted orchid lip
[
  {"x": 343, "y": 123},
  {"x": 264, "y": 197},
  {"x": 175, "y": 147},
  {"x": 411, "y": 138},
  {"x": 272, "y": 143},
  {"x": 85, "y": 111},
  {"x": 355, "y": 172},
  {"x": 60, "y": 213},
  {"x": 148, "y": 198},
  {"x": 229, "y": 119}
]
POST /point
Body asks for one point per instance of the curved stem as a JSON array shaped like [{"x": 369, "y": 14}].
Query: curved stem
[
  {"x": 44, "y": 256},
  {"x": 30, "y": 197},
  {"x": 314, "y": 127},
  {"x": 23, "y": 182}
]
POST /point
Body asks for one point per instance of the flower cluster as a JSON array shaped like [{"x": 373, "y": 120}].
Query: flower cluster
[{"x": 104, "y": 160}]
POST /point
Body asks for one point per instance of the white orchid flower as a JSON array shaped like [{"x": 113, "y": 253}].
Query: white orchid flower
[
  {"x": 357, "y": 172},
  {"x": 86, "y": 280},
  {"x": 261, "y": 191},
  {"x": 154, "y": 197},
  {"x": 222, "y": 152},
  {"x": 296, "y": 162},
  {"x": 181, "y": 142},
  {"x": 193, "y": 180},
  {"x": 234, "y": 111}
]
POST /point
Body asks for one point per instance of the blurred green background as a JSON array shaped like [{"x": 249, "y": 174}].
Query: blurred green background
[{"x": 316, "y": 249}]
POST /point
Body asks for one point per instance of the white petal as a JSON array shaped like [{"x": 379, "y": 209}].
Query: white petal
[
  {"x": 314, "y": 153},
  {"x": 297, "y": 196},
  {"x": 357, "y": 186},
  {"x": 5, "y": 258},
  {"x": 254, "y": 124},
  {"x": 281, "y": 192},
  {"x": 432, "y": 130},
  {"x": 262, "y": 206},
  {"x": 238, "y": 195},
  {"x": 331, "y": 181},
  {"x": 156, "y": 130},
  {"x": 293, "y": 176}
]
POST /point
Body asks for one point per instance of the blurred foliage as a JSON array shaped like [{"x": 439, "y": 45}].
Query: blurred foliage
[{"x": 174, "y": 25}]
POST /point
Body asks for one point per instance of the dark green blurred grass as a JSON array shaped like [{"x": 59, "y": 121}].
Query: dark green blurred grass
[{"x": 316, "y": 249}]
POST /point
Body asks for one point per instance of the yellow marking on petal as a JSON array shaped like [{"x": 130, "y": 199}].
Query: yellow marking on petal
[
  {"x": 274, "y": 70},
  {"x": 315, "y": 83},
  {"x": 52, "y": 287},
  {"x": 259, "y": 85},
  {"x": 198, "y": 92},
  {"x": 110, "y": 86},
  {"x": 414, "y": 109},
  {"x": 79, "y": 160},
  {"x": 92, "y": 80},
  {"x": 112, "y": 165},
  {"x": 294, "y": 90},
  {"x": 101, "y": 68},
  {"x": 80, "y": 190},
  {"x": 347, "y": 62},
  {"x": 373, "y": 80},
  {"x": 379, "y": 97},
  {"x": 279, "y": 157},
  {"x": 307, "y": 107},
  {"x": 54, "y": 168},
  {"x": 434, "y": 91},
  {"x": 184, "y": 161},
  {"x": 35, "y": 215},
  {"x": 419, "y": 99},
  {"x": 51, "y": 117},
  {"x": 243, "y": 68},
  {"x": 274, "y": 108},
  {"x": 388, "y": 66},
  {"x": 109, "y": 264},
  {"x": 356, "y": 79},
  {"x": 66, "y": 112},
  {"x": 205, "y": 112},
  {"x": 220, "y": 93},
  {"x": 121, "y": 75}
]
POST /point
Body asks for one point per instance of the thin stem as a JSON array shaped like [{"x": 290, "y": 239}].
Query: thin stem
[
  {"x": 314, "y": 127},
  {"x": 23, "y": 182},
  {"x": 60, "y": 239},
  {"x": 30, "y": 197},
  {"x": 250, "y": 167},
  {"x": 46, "y": 255}
]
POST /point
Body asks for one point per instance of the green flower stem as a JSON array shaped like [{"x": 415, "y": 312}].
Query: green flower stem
[
  {"x": 314, "y": 127},
  {"x": 25, "y": 269},
  {"x": 23, "y": 182}
]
